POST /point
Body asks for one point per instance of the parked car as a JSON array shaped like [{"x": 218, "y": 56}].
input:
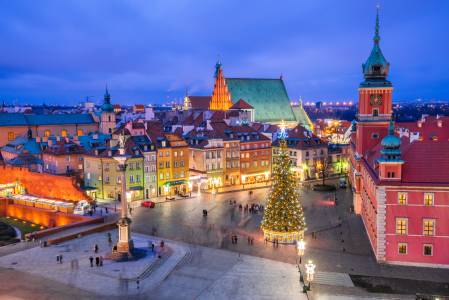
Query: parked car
[{"x": 149, "y": 204}]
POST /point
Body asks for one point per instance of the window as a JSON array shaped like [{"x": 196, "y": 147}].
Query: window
[
  {"x": 137, "y": 178},
  {"x": 131, "y": 178},
  {"x": 79, "y": 132},
  {"x": 402, "y": 248},
  {"x": 106, "y": 179},
  {"x": 167, "y": 175},
  {"x": 47, "y": 133},
  {"x": 428, "y": 250},
  {"x": 181, "y": 153},
  {"x": 175, "y": 153},
  {"x": 428, "y": 199},
  {"x": 402, "y": 198},
  {"x": 167, "y": 153},
  {"x": 11, "y": 136},
  {"x": 375, "y": 112},
  {"x": 64, "y": 132},
  {"x": 428, "y": 227},
  {"x": 161, "y": 176},
  {"x": 167, "y": 164},
  {"x": 182, "y": 163},
  {"x": 176, "y": 164},
  {"x": 401, "y": 226},
  {"x": 375, "y": 135}
]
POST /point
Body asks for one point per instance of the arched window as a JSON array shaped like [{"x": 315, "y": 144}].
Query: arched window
[{"x": 109, "y": 118}]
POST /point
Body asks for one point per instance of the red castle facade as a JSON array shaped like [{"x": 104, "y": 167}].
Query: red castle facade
[{"x": 399, "y": 174}]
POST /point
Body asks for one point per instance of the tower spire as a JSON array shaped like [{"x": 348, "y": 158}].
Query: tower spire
[{"x": 376, "y": 31}]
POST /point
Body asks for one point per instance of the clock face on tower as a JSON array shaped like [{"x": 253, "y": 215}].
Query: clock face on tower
[{"x": 376, "y": 99}]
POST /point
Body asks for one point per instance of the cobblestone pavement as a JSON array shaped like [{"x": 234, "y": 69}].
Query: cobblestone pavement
[
  {"x": 341, "y": 244},
  {"x": 205, "y": 273}
]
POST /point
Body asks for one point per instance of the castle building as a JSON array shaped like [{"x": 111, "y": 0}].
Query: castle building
[{"x": 399, "y": 174}]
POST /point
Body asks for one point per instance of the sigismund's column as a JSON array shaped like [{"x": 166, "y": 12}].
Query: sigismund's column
[{"x": 125, "y": 244}]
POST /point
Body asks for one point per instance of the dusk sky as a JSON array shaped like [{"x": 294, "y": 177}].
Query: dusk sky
[{"x": 150, "y": 51}]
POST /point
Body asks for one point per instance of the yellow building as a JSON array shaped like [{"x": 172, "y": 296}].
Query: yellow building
[{"x": 172, "y": 165}]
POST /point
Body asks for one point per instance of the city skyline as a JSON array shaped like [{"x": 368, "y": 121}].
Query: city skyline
[{"x": 151, "y": 53}]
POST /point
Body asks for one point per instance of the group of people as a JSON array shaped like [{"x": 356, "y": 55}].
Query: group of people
[
  {"x": 275, "y": 242},
  {"x": 93, "y": 210},
  {"x": 254, "y": 208},
  {"x": 250, "y": 240},
  {"x": 98, "y": 261}
]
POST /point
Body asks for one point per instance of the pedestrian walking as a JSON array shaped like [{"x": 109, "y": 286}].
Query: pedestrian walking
[
  {"x": 97, "y": 261},
  {"x": 109, "y": 238},
  {"x": 106, "y": 209},
  {"x": 96, "y": 248},
  {"x": 57, "y": 258},
  {"x": 60, "y": 259},
  {"x": 101, "y": 261},
  {"x": 152, "y": 247},
  {"x": 91, "y": 259}
]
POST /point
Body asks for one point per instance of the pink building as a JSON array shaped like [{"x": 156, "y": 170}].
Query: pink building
[{"x": 400, "y": 176}]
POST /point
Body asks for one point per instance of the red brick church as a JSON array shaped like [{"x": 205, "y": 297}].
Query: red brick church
[{"x": 399, "y": 174}]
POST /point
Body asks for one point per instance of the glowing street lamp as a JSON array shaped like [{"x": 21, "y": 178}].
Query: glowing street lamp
[
  {"x": 310, "y": 271},
  {"x": 301, "y": 246}
]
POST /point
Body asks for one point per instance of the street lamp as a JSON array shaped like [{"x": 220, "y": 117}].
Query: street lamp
[
  {"x": 301, "y": 246},
  {"x": 310, "y": 271}
]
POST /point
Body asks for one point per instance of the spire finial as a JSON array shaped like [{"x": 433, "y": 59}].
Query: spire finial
[
  {"x": 376, "y": 32},
  {"x": 217, "y": 66}
]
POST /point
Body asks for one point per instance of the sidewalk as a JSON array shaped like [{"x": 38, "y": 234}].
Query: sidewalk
[{"x": 238, "y": 188}]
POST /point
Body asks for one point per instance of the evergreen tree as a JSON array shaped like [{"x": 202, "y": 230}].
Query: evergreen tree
[{"x": 283, "y": 212}]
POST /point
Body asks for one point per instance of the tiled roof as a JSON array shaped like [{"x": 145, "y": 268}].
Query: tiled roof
[
  {"x": 200, "y": 102},
  {"x": 268, "y": 97},
  {"x": 17, "y": 119},
  {"x": 241, "y": 104},
  {"x": 63, "y": 148},
  {"x": 426, "y": 161}
]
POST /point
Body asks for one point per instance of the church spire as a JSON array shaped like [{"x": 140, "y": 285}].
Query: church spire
[
  {"x": 217, "y": 68},
  {"x": 107, "y": 106}
]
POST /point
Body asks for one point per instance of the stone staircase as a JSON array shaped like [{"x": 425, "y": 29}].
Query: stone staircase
[{"x": 333, "y": 278}]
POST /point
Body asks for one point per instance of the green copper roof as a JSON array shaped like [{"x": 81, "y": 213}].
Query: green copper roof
[
  {"x": 268, "y": 97},
  {"x": 376, "y": 67},
  {"x": 302, "y": 117},
  {"x": 107, "y": 106}
]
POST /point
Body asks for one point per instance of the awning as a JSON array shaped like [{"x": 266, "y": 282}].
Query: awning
[
  {"x": 88, "y": 188},
  {"x": 177, "y": 182}
]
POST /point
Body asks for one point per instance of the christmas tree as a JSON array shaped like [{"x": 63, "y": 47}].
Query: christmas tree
[{"x": 283, "y": 219}]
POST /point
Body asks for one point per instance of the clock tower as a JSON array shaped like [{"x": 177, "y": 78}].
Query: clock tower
[{"x": 375, "y": 99}]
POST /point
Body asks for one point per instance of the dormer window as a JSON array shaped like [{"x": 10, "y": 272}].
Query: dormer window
[{"x": 376, "y": 70}]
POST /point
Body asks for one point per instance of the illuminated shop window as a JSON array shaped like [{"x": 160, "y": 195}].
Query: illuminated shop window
[
  {"x": 64, "y": 132},
  {"x": 47, "y": 133},
  {"x": 11, "y": 136}
]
